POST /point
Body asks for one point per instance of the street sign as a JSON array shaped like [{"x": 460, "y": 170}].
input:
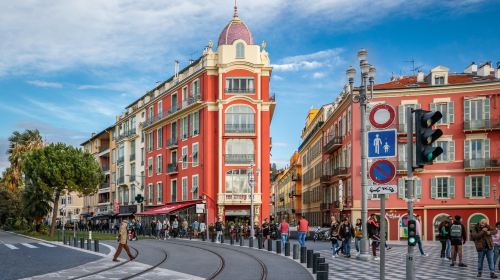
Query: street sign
[
  {"x": 382, "y": 115},
  {"x": 382, "y": 189},
  {"x": 382, "y": 171},
  {"x": 382, "y": 143},
  {"x": 200, "y": 208}
]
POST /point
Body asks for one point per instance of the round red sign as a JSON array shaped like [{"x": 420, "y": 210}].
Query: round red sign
[
  {"x": 382, "y": 115},
  {"x": 382, "y": 171}
]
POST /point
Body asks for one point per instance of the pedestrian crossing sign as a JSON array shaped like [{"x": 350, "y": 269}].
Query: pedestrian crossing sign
[{"x": 382, "y": 143}]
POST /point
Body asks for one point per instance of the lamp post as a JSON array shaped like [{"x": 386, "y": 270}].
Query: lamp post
[
  {"x": 367, "y": 81},
  {"x": 251, "y": 183}
]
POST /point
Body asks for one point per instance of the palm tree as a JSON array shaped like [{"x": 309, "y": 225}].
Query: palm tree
[
  {"x": 36, "y": 203},
  {"x": 20, "y": 143}
]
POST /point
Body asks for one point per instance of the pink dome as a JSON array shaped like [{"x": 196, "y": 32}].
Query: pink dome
[{"x": 235, "y": 30}]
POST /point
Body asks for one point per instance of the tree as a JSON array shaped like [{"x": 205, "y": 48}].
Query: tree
[
  {"x": 36, "y": 203},
  {"x": 20, "y": 143},
  {"x": 9, "y": 205},
  {"x": 59, "y": 168}
]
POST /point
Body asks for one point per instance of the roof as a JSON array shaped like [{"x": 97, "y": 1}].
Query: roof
[
  {"x": 236, "y": 29},
  {"x": 453, "y": 78},
  {"x": 97, "y": 135}
]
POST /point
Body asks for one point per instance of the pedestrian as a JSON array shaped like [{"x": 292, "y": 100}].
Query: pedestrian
[
  {"x": 447, "y": 252},
  {"x": 266, "y": 231},
  {"x": 203, "y": 228},
  {"x": 346, "y": 233},
  {"x": 482, "y": 235},
  {"x": 122, "y": 242},
  {"x": 285, "y": 230},
  {"x": 358, "y": 234},
  {"x": 153, "y": 227},
  {"x": 166, "y": 226},
  {"x": 175, "y": 228},
  {"x": 303, "y": 229},
  {"x": 444, "y": 236},
  {"x": 419, "y": 234},
  {"x": 159, "y": 226},
  {"x": 374, "y": 234},
  {"x": 457, "y": 239},
  {"x": 496, "y": 243},
  {"x": 184, "y": 228},
  {"x": 334, "y": 235},
  {"x": 219, "y": 227},
  {"x": 196, "y": 227}
]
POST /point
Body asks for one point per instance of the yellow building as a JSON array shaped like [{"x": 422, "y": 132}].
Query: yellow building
[{"x": 289, "y": 203}]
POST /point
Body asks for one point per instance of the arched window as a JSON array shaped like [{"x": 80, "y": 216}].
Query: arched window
[
  {"x": 237, "y": 181},
  {"x": 240, "y": 50},
  {"x": 240, "y": 119},
  {"x": 239, "y": 151}
]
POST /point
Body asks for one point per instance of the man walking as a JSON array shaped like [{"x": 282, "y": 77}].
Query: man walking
[
  {"x": 303, "y": 228},
  {"x": 218, "y": 229},
  {"x": 346, "y": 232},
  {"x": 122, "y": 239},
  {"x": 481, "y": 234},
  {"x": 457, "y": 239},
  {"x": 285, "y": 229},
  {"x": 373, "y": 229}
]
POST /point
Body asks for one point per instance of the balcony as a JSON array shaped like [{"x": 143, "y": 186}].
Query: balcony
[
  {"x": 340, "y": 172},
  {"x": 104, "y": 148},
  {"x": 121, "y": 180},
  {"x": 105, "y": 167},
  {"x": 172, "y": 142},
  {"x": 481, "y": 163},
  {"x": 481, "y": 125},
  {"x": 333, "y": 144},
  {"x": 172, "y": 168},
  {"x": 238, "y": 198},
  {"x": 103, "y": 188},
  {"x": 239, "y": 158},
  {"x": 326, "y": 179},
  {"x": 131, "y": 178},
  {"x": 240, "y": 128},
  {"x": 172, "y": 110},
  {"x": 235, "y": 90},
  {"x": 120, "y": 160},
  {"x": 126, "y": 134},
  {"x": 132, "y": 157}
]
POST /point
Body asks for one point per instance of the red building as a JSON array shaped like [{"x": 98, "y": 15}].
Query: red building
[
  {"x": 207, "y": 125},
  {"x": 462, "y": 181}
]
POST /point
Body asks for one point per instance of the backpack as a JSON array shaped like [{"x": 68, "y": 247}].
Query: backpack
[{"x": 456, "y": 231}]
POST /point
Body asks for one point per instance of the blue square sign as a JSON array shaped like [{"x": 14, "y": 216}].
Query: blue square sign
[{"x": 382, "y": 143}]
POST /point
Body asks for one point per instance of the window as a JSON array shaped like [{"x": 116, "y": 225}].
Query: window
[
  {"x": 195, "y": 123},
  {"x": 159, "y": 164},
  {"x": 132, "y": 150},
  {"x": 240, "y": 50},
  {"x": 142, "y": 156},
  {"x": 159, "y": 192},
  {"x": 184, "y": 157},
  {"x": 132, "y": 172},
  {"x": 132, "y": 124},
  {"x": 150, "y": 113},
  {"x": 438, "y": 80},
  {"x": 402, "y": 115},
  {"x": 173, "y": 131},
  {"x": 195, "y": 88},
  {"x": 237, "y": 181},
  {"x": 121, "y": 174},
  {"x": 240, "y": 119},
  {"x": 150, "y": 167},
  {"x": 403, "y": 188},
  {"x": 184, "y": 96},
  {"x": 476, "y": 153},
  {"x": 239, "y": 151},
  {"x": 132, "y": 191},
  {"x": 113, "y": 177},
  {"x": 159, "y": 137},
  {"x": 448, "y": 147},
  {"x": 184, "y": 128},
  {"x": 126, "y": 198},
  {"x": 195, "y": 154},
  {"x": 447, "y": 109},
  {"x": 184, "y": 188},
  {"x": 443, "y": 187},
  {"x": 143, "y": 135},
  {"x": 113, "y": 155},
  {"x": 477, "y": 186},
  {"x": 240, "y": 85},
  {"x": 173, "y": 190},
  {"x": 150, "y": 193},
  {"x": 150, "y": 141},
  {"x": 173, "y": 157},
  {"x": 174, "y": 103},
  {"x": 194, "y": 187},
  {"x": 476, "y": 113},
  {"x": 121, "y": 153},
  {"x": 160, "y": 109},
  {"x": 120, "y": 197}
]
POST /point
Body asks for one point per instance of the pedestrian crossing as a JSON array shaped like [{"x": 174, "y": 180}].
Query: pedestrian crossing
[{"x": 36, "y": 245}]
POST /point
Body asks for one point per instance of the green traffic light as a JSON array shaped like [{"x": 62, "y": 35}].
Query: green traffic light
[{"x": 412, "y": 239}]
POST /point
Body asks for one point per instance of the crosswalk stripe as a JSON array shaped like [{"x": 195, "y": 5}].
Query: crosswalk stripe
[
  {"x": 46, "y": 244},
  {"x": 10, "y": 246},
  {"x": 28, "y": 245}
]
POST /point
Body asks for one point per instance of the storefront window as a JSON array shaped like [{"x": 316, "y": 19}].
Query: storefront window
[{"x": 237, "y": 181}]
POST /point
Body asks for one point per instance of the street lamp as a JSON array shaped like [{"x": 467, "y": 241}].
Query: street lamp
[
  {"x": 251, "y": 183},
  {"x": 367, "y": 79}
]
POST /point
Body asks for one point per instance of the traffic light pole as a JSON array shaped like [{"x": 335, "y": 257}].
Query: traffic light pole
[{"x": 410, "y": 259}]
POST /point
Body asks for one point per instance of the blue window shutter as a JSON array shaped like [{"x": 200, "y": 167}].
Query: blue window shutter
[
  {"x": 451, "y": 187},
  {"x": 433, "y": 187},
  {"x": 451, "y": 112},
  {"x": 486, "y": 181},
  {"x": 468, "y": 183}
]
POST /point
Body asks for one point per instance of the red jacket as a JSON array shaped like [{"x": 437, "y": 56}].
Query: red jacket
[{"x": 303, "y": 225}]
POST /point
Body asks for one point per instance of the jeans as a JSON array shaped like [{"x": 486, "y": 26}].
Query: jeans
[
  {"x": 489, "y": 257},
  {"x": 335, "y": 247},
  {"x": 447, "y": 253},
  {"x": 347, "y": 246},
  {"x": 419, "y": 243},
  {"x": 496, "y": 253},
  {"x": 357, "y": 241},
  {"x": 284, "y": 239},
  {"x": 443, "y": 247},
  {"x": 219, "y": 235},
  {"x": 302, "y": 238}
]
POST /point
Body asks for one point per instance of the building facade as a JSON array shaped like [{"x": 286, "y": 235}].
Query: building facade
[{"x": 289, "y": 204}]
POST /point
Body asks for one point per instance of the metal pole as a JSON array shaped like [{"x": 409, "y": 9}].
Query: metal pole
[
  {"x": 364, "y": 250},
  {"x": 251, "y": 183},
  {"x": 206, "y": 217},
  {"x": 382, "y": 237},
  {"x": 410, "y": 262}
]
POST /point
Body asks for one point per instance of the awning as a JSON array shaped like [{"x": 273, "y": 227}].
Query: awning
[
  {"x": 125, "y": 214},
  {"x": 166, "y": 209}
]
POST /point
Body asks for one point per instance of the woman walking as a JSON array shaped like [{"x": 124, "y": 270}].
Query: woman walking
[
  {"x": 358, "y": 234},
  {"x": 334, "y": 235}
]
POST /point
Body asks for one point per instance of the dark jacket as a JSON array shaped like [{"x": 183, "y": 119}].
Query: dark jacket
[
  {"x": 482, "y": 239},
  {"x": 373, "y": 228},
  {"x": 346, "y": 231},
  {"x": 334, "y": 231}
]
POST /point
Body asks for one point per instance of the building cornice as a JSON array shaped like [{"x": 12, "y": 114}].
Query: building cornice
[{"x": 437, "y": 90}]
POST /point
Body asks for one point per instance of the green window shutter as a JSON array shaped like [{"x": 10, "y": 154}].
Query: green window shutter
[
  {"x": 433, "y": 187},
  {"x": 433, "y": 106},
  {"x": 486, "y": 149},
  {"x": 486, "y": 181},
  {"x": 418, "y": 188},
  {"x": 451, "y": 150},
  {"x": 451, "y": 112},
  {"x": 401, "y": 188},
  {"x": 486, "y": 104},
  {"x": 467, "y": 150},
  {"x": 401, "y": 116},
  {"x": 451, "y": 187},
  {"x": 468, "y": 183},
  {"x": 466, "y": 110}
]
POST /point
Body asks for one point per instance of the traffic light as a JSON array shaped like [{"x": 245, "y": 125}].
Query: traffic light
[
  {"x": 412, "y": 233},
  {"x": 425, "y": 136}
]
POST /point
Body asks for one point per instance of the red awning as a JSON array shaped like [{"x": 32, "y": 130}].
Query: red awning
[{"x": 167, "y": 209}]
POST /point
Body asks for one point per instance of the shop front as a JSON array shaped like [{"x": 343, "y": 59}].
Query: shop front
[{"x": 171, "y": 211}]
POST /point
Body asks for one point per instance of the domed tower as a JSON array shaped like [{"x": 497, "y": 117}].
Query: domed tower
[{"x": 234, "y": 30}]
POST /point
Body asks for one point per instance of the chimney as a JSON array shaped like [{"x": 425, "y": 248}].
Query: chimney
[
  {"x": 484, "y": 69},
  {"x": 176, "y": 69},
  {"x": 191, "y": 61},
  {"x": 471, "y": 69},
  {"x": 497, "y": 71},
  {"x": 420, "y": 76}
]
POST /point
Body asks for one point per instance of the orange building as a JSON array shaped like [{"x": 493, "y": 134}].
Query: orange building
[{"x": 289, "y": 204}]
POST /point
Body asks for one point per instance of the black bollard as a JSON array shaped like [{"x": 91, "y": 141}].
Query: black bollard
[
  {"x": 287, "y": 249},
  {"x": 303, "y": 254},
  {"x": 269, "y": 245},
  {"x": 322, "y": 267},
  {"x": 89, "y": 244},
  {"x": 310, "y": 258},
  {"x": 322, "y": 275},
  {"x": 96, "y": 245},
  {"x": 315, "y": 262},
  {"x": 241, "y": 241},
  {"x": 250, "y": 242},
  {"x": 278, "y": 247},
  {"x": 82, "y": 243},
  {"x": 295, "y": 251},
  {"x": 259, "y": 242},
  {"x": 75, "y": 242}
]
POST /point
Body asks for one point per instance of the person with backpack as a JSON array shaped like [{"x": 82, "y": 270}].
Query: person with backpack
[
  {"x": 457, "y": 239},
  {"x": 481, "y": 234},
  {"x": 444, "y": 236}
]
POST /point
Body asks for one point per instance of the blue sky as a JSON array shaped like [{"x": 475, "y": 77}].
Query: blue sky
[{"x": 69, "y": 67}]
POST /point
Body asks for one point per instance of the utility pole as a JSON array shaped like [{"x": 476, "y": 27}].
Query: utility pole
[{"x": 410, "y": 259}]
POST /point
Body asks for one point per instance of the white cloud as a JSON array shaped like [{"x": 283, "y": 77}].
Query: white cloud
[
  {"x": 320, "y": 59},
  {"x": 280, "y": 145},
  {"x": 45, "y": 84},
  {"x": 318, "y": 75}
]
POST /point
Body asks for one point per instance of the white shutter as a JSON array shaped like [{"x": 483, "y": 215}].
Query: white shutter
[
  {"x": 451, "y": 187},
  {"x": 401, "y": 188},
  {"x": 467, "y": 150},
  {"x": 486, "y": 181},
  {"x": 466, "y": 110},
  {"x": 451, "y": 112},
  {"x": 486, "y": 149},
  {"x": 468, "y": 183},
  {"x": 418, "y": 188},
  {"x": 451, "y": 150},
  {"x": 434, "y": 187},
  {"x": 401, "y": 118}
]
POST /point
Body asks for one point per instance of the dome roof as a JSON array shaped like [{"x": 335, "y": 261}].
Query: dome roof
[{"x": 235, "y": 30}]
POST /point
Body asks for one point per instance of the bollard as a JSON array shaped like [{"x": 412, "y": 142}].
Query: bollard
[
  {"x": 89, "y": 244},
  {"x": 75, "y": 242},
  {"x": 322, "y": 267},
  {"x": 259, "y": 242},
  {"x": 309, "y": 258},
  {"x": 322, "y": 275},
  {"x": 250, "y": 242},
  {"x": 315, "y": 262},
  {"x": 287, "y": 249},
  {"x": 82, "y": 243},
  {"x": 295, "y": 251},
  {"x": 269, "y": 245},
  {"x": 96, "y": 245},
  {"x": 303, "y": 254},
  {"x": 278, "y": 247},
  {"x": 241, "y": 241}
]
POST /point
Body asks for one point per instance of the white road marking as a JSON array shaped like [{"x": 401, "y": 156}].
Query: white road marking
[
  {"x": 10, "y": 246},
  {"x": 28, "y": 245},
  {"x": 47, "y": 244}
]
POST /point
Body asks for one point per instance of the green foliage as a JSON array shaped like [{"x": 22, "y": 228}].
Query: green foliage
[
  {"x": 9, "y": 207},
  {"x": 35, "y": 203},
  {"x": 19, "y": 144}
]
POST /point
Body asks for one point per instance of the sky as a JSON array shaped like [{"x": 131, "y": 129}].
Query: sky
[{"x": 68, "y": 68}]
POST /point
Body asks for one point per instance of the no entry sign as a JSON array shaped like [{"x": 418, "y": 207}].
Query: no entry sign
[
  {"x": 382, "y": 116},
  {"x": 382, "y": 171}
]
